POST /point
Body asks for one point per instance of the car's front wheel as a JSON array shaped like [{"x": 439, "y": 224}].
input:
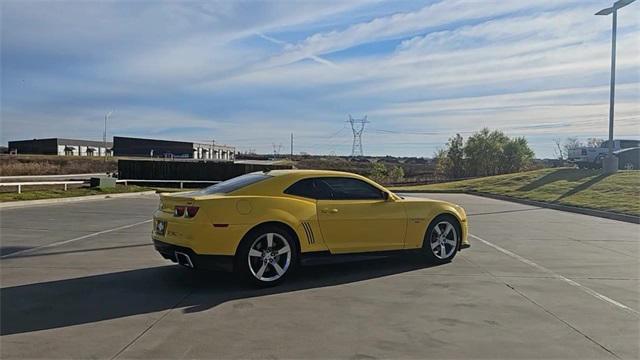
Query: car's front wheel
[
  {"x": 267, "y": 256},
  {"x": 442, "y": 240}
]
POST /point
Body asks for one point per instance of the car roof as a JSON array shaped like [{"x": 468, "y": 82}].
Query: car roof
[{"x": 306, "y": 172}]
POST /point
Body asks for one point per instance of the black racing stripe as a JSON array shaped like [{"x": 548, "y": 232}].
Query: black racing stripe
[
  {"x": 313, "y": 238},
  {"x": 306, "y": 231}
]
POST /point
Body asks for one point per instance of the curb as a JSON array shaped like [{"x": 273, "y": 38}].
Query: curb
[
  {"x": 573, "y": 209},
  {"x": 24, "y": 203}
]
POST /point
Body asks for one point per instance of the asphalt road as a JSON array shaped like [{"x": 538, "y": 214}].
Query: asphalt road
[{"x": 81, "y": 280}]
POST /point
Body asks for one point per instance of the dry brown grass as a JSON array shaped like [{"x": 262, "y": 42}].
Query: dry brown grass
[
  {"x": 412, "y": 172},
  {"x": 15, "y": 165}
]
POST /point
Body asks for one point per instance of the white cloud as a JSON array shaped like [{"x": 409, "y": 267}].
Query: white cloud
[{"x": 402, "y": 25}]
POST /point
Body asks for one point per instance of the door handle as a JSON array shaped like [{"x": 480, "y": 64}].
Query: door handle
[{"x": 329, "y": 211}]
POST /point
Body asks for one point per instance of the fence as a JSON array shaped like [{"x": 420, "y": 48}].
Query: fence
[
  {"x": 187, "y": 170},
  {"x": 19, "y": 185}
]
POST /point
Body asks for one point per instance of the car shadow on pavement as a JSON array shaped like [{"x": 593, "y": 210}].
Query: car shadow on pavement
[
  {"x": 89, "y": 299},
  {"x": 6, "y": 250}
]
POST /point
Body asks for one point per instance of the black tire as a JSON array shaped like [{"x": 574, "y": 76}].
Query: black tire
[
  {"x": 249, "y": 266},
  {"x": 451, "y": 241}
]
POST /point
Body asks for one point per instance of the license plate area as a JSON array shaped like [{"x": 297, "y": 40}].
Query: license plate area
[{"x": 160, "y": 227}]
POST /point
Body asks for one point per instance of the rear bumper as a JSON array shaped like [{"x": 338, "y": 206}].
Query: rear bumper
[{"x": 209, "y": 262}]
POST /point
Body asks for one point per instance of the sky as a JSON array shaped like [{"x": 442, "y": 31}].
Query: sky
[{"x": 250, "y": 73}]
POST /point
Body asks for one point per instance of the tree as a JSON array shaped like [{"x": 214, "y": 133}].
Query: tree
[
  {"x": 516, "y": 155},
  {"x": 594, "y": 142},
  {"x": 558, "y": 150},
  {"x": 442, "y": 163},
  {"x": 396, "y": 174},
  {"x": 379, "y": 172},
  {"x": 455, "y": 157},
  {"x": 571, "y": 143},
  {"x": 484, "y": 152}
]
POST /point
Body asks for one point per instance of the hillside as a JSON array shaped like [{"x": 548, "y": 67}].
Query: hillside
[
  {"x": 619, "y": 192},
  {"x": 13, "y": 165}
]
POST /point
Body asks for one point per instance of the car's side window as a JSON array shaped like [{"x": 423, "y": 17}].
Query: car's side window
[
  {"x": 309, "y": 188},
  {"x": 343, "y": 188}
]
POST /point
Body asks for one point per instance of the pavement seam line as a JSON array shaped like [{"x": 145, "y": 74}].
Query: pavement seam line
[
  {"x": 560, "y": 319},
  {"x": 602, "y": 248},
  {"x": 58, "y": 243},
  {"x": 587, "y": 290},
  {"x": 566, "y": 323},
  {"x": 134, "y": 340}
]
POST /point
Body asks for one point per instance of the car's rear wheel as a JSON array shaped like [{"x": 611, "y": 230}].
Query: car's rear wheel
[
  {"x": 442, "y": 240},
  {"x": 267, "y": 256}
]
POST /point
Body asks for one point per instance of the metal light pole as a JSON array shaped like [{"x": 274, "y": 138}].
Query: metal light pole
[
  {"x": 610, "y": 163},
  {"x": 104, "y": 134}
]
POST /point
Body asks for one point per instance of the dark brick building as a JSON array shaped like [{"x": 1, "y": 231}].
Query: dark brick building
[{"x": 139, "y": 147}]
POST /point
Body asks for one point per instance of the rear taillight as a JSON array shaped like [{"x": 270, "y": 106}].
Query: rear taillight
[
  {"x": 185, "y": 211},
  {"x": 178, "y": 211},
  {"x": 191, "y": 211}
]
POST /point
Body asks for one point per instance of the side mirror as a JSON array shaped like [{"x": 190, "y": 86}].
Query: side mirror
[{"x": 386, "y": 196}]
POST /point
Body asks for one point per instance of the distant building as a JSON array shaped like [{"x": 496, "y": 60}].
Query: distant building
[
  {"x": 129, "y": 146},
  {"x": 58, "y": 146}
]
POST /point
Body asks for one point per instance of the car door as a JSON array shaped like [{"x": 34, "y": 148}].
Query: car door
[{"x": 357, "y": 218}]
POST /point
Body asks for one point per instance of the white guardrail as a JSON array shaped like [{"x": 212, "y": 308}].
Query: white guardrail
[{"x": 19, "y": 185}]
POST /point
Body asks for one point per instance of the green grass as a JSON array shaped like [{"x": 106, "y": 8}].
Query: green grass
[
  {"x": 60, "y": 193},
  {"x": 619, "y": 192}
]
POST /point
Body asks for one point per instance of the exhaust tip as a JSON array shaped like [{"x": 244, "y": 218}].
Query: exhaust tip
[{"x": 183, "y": 259}]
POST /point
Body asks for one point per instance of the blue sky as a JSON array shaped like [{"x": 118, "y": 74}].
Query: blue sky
[{"x": 249, "y": 73}]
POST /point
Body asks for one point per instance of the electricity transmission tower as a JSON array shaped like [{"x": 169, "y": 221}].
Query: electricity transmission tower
[
  {"x": 357, "y": 126},
  {"x": 276, "y": 149}
]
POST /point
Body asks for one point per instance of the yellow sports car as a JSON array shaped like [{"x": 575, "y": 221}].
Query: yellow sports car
[{"x": 264, "y": 224}]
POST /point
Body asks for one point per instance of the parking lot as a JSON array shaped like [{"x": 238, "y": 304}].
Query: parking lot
[{"x": 82, "y": 280}]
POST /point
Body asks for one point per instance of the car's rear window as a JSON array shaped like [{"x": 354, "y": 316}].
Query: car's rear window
[{"x": 234, "y": 184}]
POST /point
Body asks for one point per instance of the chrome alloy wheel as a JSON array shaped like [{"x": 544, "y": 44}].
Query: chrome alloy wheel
[
  {"x": 269, "y": 257},
  {"x": 443, "y": 240}
]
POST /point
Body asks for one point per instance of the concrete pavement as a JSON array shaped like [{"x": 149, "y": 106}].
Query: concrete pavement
[{"x": 536, "y": 283}]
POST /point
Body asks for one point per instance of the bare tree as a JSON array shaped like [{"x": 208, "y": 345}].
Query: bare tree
[
  {"x": 571, "y": 143},
  {"x": 594, "y": 142},
  {"x": 558, "y": 151}
]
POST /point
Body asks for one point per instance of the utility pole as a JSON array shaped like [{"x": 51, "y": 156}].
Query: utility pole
[
  {"x": 610, "y": 163},
  {"x": 291, "y": 146},
  {"x": 104, "y": 134}
]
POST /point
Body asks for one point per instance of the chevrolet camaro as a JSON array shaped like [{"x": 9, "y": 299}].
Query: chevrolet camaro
[{"x": 264, "y": 224}]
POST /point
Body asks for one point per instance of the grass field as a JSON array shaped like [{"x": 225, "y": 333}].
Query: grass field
[
  {"x": 15, "y": 165},
  {"x": 619, "y": 192},
  {"x": 60, "y": 193}
]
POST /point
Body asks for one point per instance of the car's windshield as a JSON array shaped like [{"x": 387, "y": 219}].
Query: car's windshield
[{"x": 234, "y": 184}]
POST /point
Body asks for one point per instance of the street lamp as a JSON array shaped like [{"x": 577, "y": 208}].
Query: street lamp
[
  {"x": 104, "y": 134},
  {"x": 610, "y": 163}
]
